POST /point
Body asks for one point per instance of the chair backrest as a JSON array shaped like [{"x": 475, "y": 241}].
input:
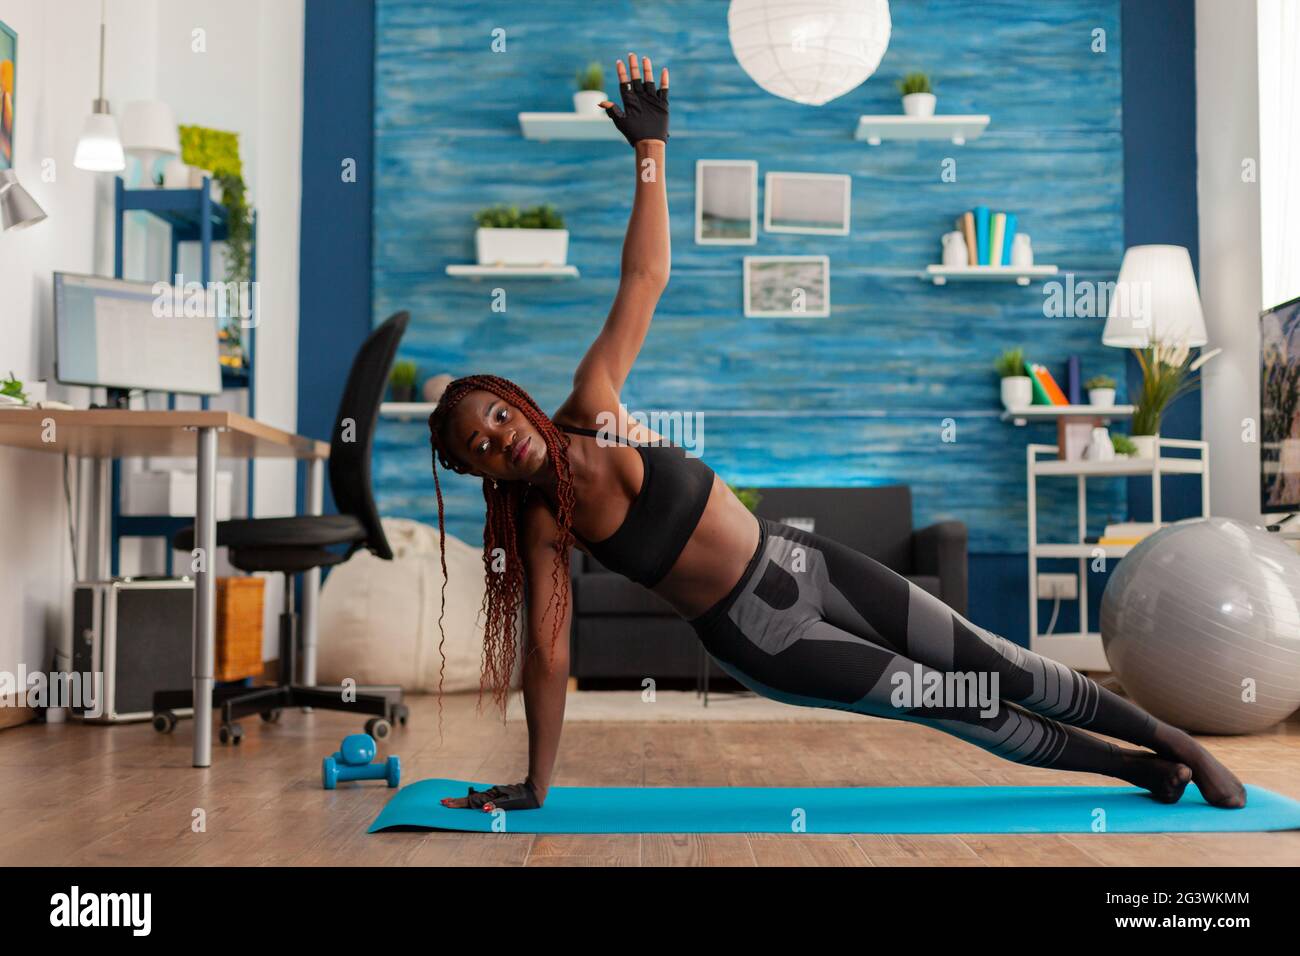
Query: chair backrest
[
  {"x": 874, "y": 520},
  {"x": 354, "y": 431}
]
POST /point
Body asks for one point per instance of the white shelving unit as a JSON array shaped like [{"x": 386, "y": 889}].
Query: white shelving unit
[
  {"x": 1020, "y": 275},
  {"x": 1047, "y": 413},
  {"x": 956, "y": 129},
  {"x": 470, "y": 271},
  {"x": 1083, "y": 650},
  {"x": 546, "y": 126}
]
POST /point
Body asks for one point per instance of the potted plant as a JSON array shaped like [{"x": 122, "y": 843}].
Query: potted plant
[
  {"x": 918, "y": 97},
  {"x": 1122, "y": 444},
  {"x": 508, "y": 237},
  {"x": 1101, "y": 390},
  {"x": 749, "y": 497},
  {"x": 591, "y": 90},
  {"x": 401, "y": 381},
  {"x": 12, "y": 390},
  {"x": 1168, "y": 373},
  {"x": 1017, "y": 390}
]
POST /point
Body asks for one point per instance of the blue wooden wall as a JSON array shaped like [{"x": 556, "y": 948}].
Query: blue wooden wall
[{"x": 856, "y": 398}]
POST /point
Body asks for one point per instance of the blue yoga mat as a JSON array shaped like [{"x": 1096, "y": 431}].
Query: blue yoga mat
[{"x": 841, "y": 810}]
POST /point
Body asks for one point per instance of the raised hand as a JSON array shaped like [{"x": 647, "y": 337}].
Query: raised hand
[{"x": 645, "y": 109}]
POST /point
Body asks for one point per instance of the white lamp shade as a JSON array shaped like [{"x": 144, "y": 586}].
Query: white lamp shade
[
  {"x": 809, "y": 51},
  {"x": 18, "y": 209},
  {"x": 149, "y": 129},
  {"x": 99, "y": 149},
  {"x": 1155, "y": 300}
]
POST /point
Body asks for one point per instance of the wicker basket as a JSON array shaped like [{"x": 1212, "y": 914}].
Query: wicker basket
[{"x": 239, "y": 628}]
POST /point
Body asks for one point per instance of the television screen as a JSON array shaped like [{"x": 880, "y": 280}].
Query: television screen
[{"x": 1279, "y": 399}]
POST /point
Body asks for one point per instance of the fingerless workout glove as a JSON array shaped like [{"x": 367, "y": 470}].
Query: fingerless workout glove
[
  {"x": 645, "y": 111},
  {"x": 513, "y": 796}
]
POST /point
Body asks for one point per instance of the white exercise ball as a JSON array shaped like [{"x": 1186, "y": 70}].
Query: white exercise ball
[
  {"x": 809, "y": 51},
  {"x": 1201, "y": 624}
]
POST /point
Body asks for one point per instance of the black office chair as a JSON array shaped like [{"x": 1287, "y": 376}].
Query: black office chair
[{"x": 300, "y": 543}]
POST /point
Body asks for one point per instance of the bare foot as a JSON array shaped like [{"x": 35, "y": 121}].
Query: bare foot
[
  {"x": 1165, "y": 779},
  {"x": 1218, "y": 785}
]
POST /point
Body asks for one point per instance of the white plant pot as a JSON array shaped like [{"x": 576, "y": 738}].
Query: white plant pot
[
  {"x": 176, "y": 175},
  {"x": 521, "y": 247},
  {"x": 1145, "y": 444},
  {"x": 1017, "y": 392},
  {"x": 918, "y": 104},
  {"x": 587, "y": 102},
  {"x": 1101, "y": 396}
]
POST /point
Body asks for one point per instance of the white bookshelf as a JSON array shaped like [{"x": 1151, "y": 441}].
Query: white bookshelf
[
  {"x": 547, "y": 126},
  {"x": 471, "y": 271},
  {"x": 405, "y": 411},
  {"x": 1083, "y": 649},
  {"x": 957, "y": 129}
]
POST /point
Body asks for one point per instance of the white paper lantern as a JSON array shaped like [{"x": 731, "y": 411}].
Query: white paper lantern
[{"x": 809, "y": 51}]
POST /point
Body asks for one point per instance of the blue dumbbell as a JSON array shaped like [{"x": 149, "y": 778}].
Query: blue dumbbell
[{"x": 352, "y": 761}]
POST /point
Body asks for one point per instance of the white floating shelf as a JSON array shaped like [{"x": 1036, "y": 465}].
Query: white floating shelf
[
  {"x": 469, "y": 271},
  {"x": 956, "y": 129},
  {"x": 405, "y": 410},
  {"x": 1082, "y": 550},
  {"x": 567, "y": 126},
  {"x": 1020, "y": 275},
  {"x": 1047, "y": 413}
]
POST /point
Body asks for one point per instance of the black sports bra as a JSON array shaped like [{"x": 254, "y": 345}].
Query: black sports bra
[{"x": 663, "y": 516}]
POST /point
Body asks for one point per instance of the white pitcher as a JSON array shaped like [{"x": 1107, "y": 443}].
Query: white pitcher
[
  {"x": 955, "y": 252},
  {"x": 1022, "y": 253}
]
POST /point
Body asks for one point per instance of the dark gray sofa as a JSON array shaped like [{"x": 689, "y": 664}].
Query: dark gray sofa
[{"x": 623, "y": 633}]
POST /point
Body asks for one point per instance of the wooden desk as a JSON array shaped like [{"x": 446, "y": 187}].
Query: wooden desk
[{"x": 105, "y": 434}]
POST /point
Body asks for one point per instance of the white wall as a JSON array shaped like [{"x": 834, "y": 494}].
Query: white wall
[
  {"x": 1227, "y": 133},
  {"x": 248, "y": 80}
]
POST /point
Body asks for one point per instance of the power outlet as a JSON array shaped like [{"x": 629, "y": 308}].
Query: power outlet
[{"x": 1063, "y": 586}]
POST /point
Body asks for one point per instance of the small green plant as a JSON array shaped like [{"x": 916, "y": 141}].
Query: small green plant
[
  {"x": 915, "y": 82},
  {"x": 402, "y": 375},
  {"x": 749, "y": 497},
  {"x": 509, "y": 217},
  {"x": 592, "y": 77},
  {"x": 1099, "y": 381},
  {"x": 1010, "y": 363},
  {"x": 12, "y": 388},
  {"x": 217, "y": 151},
  {"x": 1122, "y": 444},
  {"x": 1168, "y": 373}
]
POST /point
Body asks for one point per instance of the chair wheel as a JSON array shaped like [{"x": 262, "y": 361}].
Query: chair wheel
[
  {"x": 378, "y": 728},
  {"x": 231, "y": 733},
  {"x": 400, "y": 713},
  {"x": 272, "y": 716},
  {"x": 164, "y": 722}
]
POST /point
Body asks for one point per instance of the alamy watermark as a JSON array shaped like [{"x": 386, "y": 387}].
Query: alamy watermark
[
  {"x": 684, "y": 430},
  {"x": 213, "y": 300},
  {"x": 83, "y": 692}
]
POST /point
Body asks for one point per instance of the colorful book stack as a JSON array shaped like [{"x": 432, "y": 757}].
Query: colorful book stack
[
  {"x": 988, "y": 236},
  {"x": 1046, "y": 391}
]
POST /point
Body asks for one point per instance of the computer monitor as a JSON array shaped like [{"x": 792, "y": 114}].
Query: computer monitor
[
  {"x": 1279, "y": 413},
  {"x": 122, "y": 335}
]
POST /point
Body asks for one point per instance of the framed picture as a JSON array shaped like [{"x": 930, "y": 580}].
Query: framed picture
[
  {"x": 726, "y": 202},
  {"x": 787, "y": 286},
  {"x": 807, "y": 202},
  {"x": 8, "y": 93}
]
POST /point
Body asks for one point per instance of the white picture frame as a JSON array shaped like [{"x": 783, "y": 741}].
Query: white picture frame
[
  {"x": 770, "y": 282},
  {"x": 808, "y": 203},
  {"x": 726, "y": 202}
]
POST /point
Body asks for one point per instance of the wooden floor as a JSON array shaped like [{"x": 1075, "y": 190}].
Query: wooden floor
[{"x": 91, "y": 795}]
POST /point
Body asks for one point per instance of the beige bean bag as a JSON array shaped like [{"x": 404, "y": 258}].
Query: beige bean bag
[{"x": 379, "y": 619}]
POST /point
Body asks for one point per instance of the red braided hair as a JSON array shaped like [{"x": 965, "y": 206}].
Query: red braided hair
[{"x": 505, "y": 499}]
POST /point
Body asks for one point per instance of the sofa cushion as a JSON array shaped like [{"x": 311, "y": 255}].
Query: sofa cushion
[
  {"x": 597, "y": 593},
  {"x": 875, "y": 520}
]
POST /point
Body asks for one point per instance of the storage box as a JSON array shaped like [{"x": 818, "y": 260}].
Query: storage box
[
  {"x": 171, "y": 493},
  {"x": 239, "y": 627},
  {"x": 136, "y": 635}
]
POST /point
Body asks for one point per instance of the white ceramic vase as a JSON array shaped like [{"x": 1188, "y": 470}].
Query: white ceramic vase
[
  {"x": 1022, "y": 253},
  {"x": 587, "y": 102},
  {"x": 1146, "y": 445},
  {"x": 521, "y": 247},
  {"x": 919, "y": 104},
  {"x": 1101, "y": 396},
  {"x": 1017, "y": 392}
]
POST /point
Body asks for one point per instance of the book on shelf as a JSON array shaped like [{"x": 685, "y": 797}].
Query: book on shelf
[
  {"x": 966, "y": 224},
  {"x": 998, "y": 230},
  {"x": 1007, "y": 236},
  {"x": 982, "y": 234},
  {"x": 1046, "y": 391}
]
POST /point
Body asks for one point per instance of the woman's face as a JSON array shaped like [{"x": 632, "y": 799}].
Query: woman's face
[{"x": 493, "y": 439}]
